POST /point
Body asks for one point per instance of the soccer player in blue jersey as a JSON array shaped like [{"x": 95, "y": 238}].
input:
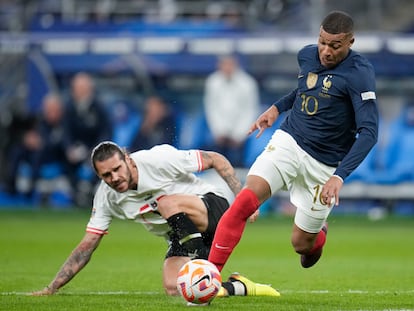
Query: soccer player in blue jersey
[{"x": 331, "y": 126}]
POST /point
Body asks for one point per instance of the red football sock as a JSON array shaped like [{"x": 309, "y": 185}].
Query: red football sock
[
  {"x": 319, "y": 243},
  {"x": 231, "y": 226}
]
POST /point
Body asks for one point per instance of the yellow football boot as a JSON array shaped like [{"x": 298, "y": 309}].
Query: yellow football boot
[{"x": 252, "y": 288}]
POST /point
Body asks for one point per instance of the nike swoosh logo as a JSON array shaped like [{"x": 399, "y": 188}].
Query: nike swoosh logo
[
  {"x": 317, "y": 209},
  {"x": 221, "y": 247},
  {"x": 300, "y": 76},
  {"x": 205, "y": 277}
]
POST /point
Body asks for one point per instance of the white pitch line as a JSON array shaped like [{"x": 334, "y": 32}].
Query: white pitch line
[
  {"x": 138, "y": 293},
  {"x": 98, "y": 293},
  {"x": 349, "y": 291}
]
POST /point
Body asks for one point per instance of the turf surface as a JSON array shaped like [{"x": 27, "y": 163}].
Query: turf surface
[{"x": 366, "y": 265}]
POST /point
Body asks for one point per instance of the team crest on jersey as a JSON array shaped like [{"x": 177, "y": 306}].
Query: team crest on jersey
[
  {"x": 154, "y": 204},
  {"x": 326, "y": 83},
  {"x": 311, "y": 80}
]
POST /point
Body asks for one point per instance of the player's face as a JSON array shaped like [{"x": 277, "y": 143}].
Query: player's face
[
  {"x": 116, "y": 173},
  {"x": 333, "y": 48}
]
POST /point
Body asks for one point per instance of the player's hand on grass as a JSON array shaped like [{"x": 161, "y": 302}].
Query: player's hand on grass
[
  {"x": 44, "y": 292},
  {"x": 265, "y": 120}
]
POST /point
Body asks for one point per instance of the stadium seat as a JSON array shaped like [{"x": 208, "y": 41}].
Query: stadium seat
[
  {"x": 193, "y": 131},
  {"x": 8, "y": 200},
  {"x": 126, "y": 122},
  {"x": 51, "y": 170},
  {"x": 394, "y": 162},
  {"x": 60, "y": 199},
  {"x": 399, "y": 157},
  {"x": 404, "y": 208},
  {"x": 366, "y": 170},
  {"x": 401, "y": 161}
]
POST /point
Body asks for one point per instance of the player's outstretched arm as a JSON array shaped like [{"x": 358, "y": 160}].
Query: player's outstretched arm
[
  {"x": 78, "y": 259},
  {"x": 223, "y": 167},
  {"x": 265, "y": 120}
]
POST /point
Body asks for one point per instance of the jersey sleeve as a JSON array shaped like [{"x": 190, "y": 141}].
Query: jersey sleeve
[
  {"x": 361, "y": 88},
  {"x": 286, "y": 102},
  {"x": 188, "y": 161},
  {"x": 100, "y": 218},
  {"x": 191, "y": 161}
]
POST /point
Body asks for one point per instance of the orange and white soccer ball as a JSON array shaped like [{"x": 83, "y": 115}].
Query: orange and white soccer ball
[{"x": 198, "y": 281}]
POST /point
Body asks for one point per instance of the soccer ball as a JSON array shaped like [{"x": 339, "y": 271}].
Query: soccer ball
[{"x": 198, "y": 281}]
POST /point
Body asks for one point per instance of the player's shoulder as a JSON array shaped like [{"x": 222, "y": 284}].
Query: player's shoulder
[
  {"x": 163, "y": 147},
  {"x": 154, "y": 155},
  {"x": 358, "y": 62},
  {"x": 308, "y": 51},
  {"x": 309, "y": 48},
  {"x": 308, "y": 55},
  {"x": 153, "y": 151},
  {"x": 357, "y": 71}
]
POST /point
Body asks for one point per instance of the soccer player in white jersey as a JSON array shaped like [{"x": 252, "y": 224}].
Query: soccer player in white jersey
[{"x": 158, "y": 188}]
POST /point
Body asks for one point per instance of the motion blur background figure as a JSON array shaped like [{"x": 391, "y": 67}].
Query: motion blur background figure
[
  {"x": 86, "y": 124},
  {"x": 41, "y": 145},
  {"x": 231, "y": 103},
  {"x": 158, "y": 126}
]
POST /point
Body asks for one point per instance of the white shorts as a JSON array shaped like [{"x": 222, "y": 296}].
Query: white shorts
[{"x": 286, "y": 166}]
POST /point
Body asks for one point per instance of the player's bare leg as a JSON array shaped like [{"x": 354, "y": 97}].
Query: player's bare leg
[
  {"x": 187, "y": 217},
  {"x": 309, "y": 245}
]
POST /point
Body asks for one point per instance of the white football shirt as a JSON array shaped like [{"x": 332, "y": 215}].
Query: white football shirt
[{"x": 162, "y": 170}]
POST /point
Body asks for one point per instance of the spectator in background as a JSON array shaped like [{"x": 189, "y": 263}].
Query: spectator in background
[
  {"x": 231, "y": 103},
  {"x": 22, "y": 151},
  {"x": 86, "y": 124},
  {"x": 51, "y": 130},
  {"x": 41, "y": 144},
  {"x": 158, "y": 126}
]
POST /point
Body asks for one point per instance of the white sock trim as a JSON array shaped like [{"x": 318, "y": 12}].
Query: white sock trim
[{"x": 239, "y": 288}]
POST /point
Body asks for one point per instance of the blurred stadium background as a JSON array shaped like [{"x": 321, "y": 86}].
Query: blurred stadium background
[{"x": 138, "y": 47}]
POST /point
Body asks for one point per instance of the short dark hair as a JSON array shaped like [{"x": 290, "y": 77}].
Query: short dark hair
[
  {"x": 338, "y": 22},
  {"x": 104, "y": 151}
]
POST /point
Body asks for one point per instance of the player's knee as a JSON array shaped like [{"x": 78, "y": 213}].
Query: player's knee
[{"x": 168, "y": 206}]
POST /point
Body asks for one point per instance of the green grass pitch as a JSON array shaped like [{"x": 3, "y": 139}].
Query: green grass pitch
[{"x": 366, "y": 265}]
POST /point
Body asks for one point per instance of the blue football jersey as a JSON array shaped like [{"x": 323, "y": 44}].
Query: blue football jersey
[{"x": 333, "y": 112}]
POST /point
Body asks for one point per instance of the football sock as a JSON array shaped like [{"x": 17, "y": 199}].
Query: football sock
[
  {"x": 228, "y": 287},
  {"x": 234, "y": 288},
  {"x": 231, "y": 226},
  {"x": 188, "y": 234},
  {"x": 319, "y": 243}
]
